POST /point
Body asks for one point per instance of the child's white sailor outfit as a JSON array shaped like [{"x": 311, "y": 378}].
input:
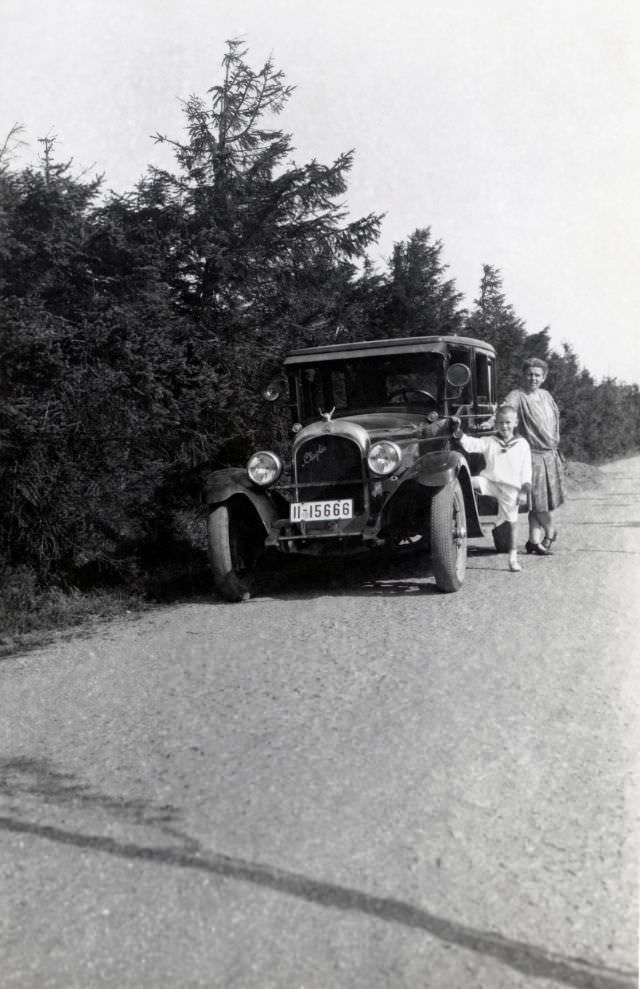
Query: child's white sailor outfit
[{"x": 508, "y": 467}]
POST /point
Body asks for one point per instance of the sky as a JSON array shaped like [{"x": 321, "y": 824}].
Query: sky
[{"x": 511, "y": 128}]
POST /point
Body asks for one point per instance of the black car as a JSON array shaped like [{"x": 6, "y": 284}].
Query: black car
[{"x": 371, "y": 465}]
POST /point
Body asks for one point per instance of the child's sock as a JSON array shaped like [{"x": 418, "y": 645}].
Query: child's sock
[{"x": 514, "y": 566}]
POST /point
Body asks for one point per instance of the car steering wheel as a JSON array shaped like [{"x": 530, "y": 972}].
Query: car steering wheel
[{"x": 399, "y": 392}]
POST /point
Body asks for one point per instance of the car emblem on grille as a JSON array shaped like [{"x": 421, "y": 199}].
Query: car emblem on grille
[
  {"x": 312, "y": 455},
  {"x": 327, "y": 415}
]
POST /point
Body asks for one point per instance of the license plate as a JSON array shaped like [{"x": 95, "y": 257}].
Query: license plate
[{"x": 321, "y": 511}]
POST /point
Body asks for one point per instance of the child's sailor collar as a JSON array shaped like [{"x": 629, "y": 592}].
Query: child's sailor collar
[{"x": 506, "y": 444}]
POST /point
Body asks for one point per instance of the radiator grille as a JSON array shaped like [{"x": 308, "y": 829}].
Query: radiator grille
[{"x": 330, "y": 467}]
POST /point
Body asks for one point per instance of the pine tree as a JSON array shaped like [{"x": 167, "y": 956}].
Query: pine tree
[
  {"x": 44, "y": 222},
  {"x": 494, "y": 320},
  {"x": 136, "y": 333},
  {"x": 257, "y": 250},
  {"x": 263, "y": 248},
  {"x": 421, "y": 299}
]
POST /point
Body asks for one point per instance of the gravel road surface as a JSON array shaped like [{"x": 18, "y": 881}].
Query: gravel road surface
[{"x": 351, "y": 781}]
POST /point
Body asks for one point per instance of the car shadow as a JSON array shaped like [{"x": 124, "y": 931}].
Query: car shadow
[
  {"x": 308, "y": 577},
  {"x": 377, "y": 574}
]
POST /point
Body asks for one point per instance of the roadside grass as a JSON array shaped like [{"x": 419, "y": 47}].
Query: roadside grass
[
  {"x": 174, "y": 568},
  {"x": 29, "y": 613}
]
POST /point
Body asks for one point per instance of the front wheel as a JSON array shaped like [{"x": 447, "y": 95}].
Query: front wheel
[
  {"x": 234, "y": 544},
  {"x": 448, "y": 528}
]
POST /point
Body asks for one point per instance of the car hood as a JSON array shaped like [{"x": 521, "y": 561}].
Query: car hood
[
  {"x": 370, "y": 427},
  {"x": 390, "y": 425}
]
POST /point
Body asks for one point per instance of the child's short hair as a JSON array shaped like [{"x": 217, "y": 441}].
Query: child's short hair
[{"x": 507, "y": 408}]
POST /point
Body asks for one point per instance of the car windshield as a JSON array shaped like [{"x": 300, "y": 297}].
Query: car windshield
[{"x": 370, "y": 382}]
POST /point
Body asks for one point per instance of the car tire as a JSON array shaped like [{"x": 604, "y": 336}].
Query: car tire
[
  {"x": 234, "y": 545},
  {"x": 448, "y": 529}
]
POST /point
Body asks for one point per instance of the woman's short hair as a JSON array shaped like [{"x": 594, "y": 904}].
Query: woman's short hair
[{"x": 535, "y": 362}]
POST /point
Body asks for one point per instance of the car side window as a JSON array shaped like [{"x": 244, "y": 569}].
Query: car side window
[{"x": 485, "y": 391}]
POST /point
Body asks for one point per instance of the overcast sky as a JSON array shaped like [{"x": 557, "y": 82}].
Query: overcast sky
[{"x": 510, "y": 127}]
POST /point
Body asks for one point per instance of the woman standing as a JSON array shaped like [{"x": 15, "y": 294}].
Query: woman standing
[{"x": 539, "y": 423}]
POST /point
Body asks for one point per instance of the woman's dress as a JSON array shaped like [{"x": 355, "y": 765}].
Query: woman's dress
[{"x": 539, "y": 423}]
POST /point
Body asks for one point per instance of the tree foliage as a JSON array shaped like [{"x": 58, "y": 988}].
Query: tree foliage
[
  {"x": 136, "y": 331},
  {"x": 421, "y": 299},
  {"x": 494, "y": 320},
  {"x": 264, "y": 248},
  {"x": 598, "y": 421}
]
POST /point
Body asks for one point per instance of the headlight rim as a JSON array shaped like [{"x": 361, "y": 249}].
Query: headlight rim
[
  {"x": 277, "y": 468},
  {"x": 397, "y": 457}
]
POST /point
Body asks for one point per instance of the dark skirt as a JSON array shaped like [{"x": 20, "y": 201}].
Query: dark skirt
[{"x": 547, "y": 492}]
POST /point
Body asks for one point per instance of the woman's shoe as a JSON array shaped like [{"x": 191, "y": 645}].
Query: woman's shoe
[
  {"x": 537, "y": 548},
  {"x": 548, "y": 540}
]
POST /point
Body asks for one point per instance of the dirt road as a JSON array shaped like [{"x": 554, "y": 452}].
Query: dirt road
[{"x": 352, "y": 781}]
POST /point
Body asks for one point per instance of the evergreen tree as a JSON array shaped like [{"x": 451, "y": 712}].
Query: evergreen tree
[
  {"x": 573, "y": 390},
  {"x": 262, "y": 247},
  {"x": 421, "y": 299},
  {"x": 136, "y": 334},
  {"x": 494, "y": 320},
  {"x": 538, "y": 344},
  {"x": 613, "y": 421},
  {"x": 45, "y": 296},
  {"x": 44, "y": 253},
  {"x": 256, "y": 250}
]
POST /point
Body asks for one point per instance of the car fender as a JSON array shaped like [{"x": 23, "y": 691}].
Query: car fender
[
  {"x": 232, "y": 482},
  {"x": 442, "y": 467},
  {"x": 436, "y": 469}
]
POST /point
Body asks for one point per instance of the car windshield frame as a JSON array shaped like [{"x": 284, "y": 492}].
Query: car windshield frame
[{"x": 352, "y": 384}]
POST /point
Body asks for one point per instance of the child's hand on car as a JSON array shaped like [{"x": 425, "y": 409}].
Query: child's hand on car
[{"x": 456, "y": 427}]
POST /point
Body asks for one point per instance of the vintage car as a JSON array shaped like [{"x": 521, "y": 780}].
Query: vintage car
[{"x": 372, "y": 464}]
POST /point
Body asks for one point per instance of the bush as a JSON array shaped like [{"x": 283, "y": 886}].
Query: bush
[{"x": 27, "y": 606}]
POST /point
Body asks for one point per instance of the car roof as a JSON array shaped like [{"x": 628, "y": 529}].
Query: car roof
[{"x": 389, "y": 345}]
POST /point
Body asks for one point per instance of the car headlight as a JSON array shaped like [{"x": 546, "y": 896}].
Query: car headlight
[
  {"x": 264, "y": 468},
  {"x": 384, "y": 457}
]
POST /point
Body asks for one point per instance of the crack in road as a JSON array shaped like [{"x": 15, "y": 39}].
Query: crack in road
[{"x": 529, "y": 959}]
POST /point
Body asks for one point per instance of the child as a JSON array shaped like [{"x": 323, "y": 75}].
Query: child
[{"x": 507, "y": 475}]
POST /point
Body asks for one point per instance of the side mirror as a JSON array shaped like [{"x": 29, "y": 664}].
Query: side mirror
[
  {"x": 458, "y": 375},
  {"x": 278, "y": 388}
]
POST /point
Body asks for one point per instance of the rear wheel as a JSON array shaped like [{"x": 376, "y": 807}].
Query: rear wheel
[
  {"x": 234, "y": 544},
  {"x": 448, "y": 525}
]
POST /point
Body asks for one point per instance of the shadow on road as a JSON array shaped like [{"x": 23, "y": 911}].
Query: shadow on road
[
  {"x": 28, "y": 779},
  {"x": 308, "y": 577}
]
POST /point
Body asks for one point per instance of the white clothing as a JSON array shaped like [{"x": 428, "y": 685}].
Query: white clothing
[
  {"x": 508, "y": 467},
  {"x": 506, "y": 463},
  {"x": 505, "y": 494}
]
